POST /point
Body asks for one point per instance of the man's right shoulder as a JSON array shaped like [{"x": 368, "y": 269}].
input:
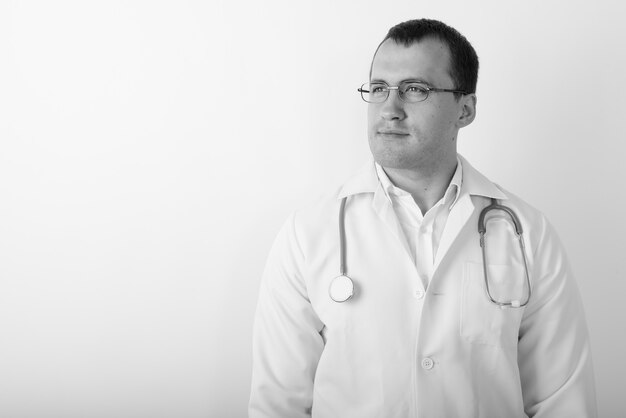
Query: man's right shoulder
[{"x": 361, "y": 181}]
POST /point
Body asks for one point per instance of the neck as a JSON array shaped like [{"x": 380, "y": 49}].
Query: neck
[{"x": 427, "y": 185}]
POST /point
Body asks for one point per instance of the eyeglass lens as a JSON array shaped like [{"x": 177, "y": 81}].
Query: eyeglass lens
[{"x": 409, "y": 92}]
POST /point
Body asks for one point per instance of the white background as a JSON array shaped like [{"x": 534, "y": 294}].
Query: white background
[{"x": 149, "y": 152}]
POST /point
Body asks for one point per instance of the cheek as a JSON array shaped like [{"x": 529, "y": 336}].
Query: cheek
[
  {"x": 436, "y": 123},
  {"x": 448, "y": 114},
  {"x": 372, "y": 115}
]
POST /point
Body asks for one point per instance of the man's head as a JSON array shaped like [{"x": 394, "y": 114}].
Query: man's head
[
  {"x": 464, "y": 61},
  {"x": 421, "y": 135}
]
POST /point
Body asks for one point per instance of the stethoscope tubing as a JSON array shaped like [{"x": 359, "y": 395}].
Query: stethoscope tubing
[
  {"x": 482, "y": 229},
  {"x": 342, "y": 286},
  {"x": 342, "y": 237}
]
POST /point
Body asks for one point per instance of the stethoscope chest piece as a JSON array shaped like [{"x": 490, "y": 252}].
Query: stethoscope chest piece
[{"x": 341, "y": 288}]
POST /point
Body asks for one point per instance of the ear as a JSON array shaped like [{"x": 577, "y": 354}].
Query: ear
[{"x": 468, "y": 110}]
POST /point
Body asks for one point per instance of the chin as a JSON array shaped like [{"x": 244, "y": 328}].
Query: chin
[{"x": 394, "y": 161}]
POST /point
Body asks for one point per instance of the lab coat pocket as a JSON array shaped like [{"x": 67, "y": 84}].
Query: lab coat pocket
[{"x": 482, "y": 321}]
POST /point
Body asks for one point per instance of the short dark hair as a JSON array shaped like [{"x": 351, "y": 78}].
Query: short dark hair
[{"x": 463, "y": 58}]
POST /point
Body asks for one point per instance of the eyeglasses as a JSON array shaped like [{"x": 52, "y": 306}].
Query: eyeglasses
[{"x": 408, "y": 91}]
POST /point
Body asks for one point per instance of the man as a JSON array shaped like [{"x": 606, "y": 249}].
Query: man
[{"x": 430, "y": 323}]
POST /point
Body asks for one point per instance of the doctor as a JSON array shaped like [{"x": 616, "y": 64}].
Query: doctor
[{"x": 418, "y": 336}]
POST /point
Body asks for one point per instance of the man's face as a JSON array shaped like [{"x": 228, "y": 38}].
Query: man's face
[{"x": 414, "y": 135}]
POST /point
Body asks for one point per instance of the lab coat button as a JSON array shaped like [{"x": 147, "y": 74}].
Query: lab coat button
[
  {"x": 419, "y": 293},
  {"x": 427, "y": 363}
]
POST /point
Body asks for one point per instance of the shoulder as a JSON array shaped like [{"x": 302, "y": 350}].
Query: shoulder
[
  {"x": 536, "y": 227},
  {"x": 544, "y": 247},
  {"x": 359, "y": 186},
  {"x": 482, "y": 188},
  {"x": 317, "y": 215},
  {"x": 526, "y": 210}
]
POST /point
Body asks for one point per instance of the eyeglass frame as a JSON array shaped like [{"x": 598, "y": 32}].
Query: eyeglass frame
[{"x": 397, "y": 88}]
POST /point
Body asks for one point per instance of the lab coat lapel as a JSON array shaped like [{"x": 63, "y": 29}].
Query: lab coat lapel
[
  {"x": 457, "y": 219},
  {"x": 474, "y": 184},
  {"x": 384, "y": 209}
]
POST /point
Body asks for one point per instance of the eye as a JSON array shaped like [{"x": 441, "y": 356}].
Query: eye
[
  {"x": 415, "y": 89},
  {"x": 377, "y": 88}
]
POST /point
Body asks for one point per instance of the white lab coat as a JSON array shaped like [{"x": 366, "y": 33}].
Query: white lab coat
[{"x": 402, "y": 349}]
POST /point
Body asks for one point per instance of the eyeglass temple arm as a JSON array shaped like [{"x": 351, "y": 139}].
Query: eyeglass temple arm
[{"x": 448, "y": 90}]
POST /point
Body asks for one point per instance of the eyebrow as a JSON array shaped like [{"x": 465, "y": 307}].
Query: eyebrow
[{"x": 408, "y": 80}]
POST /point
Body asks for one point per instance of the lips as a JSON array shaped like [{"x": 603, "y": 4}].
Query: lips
[{"x": 391, "y": 132}]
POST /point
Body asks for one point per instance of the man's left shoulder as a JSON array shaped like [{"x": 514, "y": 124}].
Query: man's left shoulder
[
  {"x": 533, "y": 221},
  {"x": 477, "y": 184}
]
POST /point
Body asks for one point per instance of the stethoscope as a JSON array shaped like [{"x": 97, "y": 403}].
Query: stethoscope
[{"x": 341, "y": 288}]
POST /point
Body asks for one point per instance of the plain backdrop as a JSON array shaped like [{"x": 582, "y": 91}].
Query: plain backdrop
[{"x": 150, "y": 150}]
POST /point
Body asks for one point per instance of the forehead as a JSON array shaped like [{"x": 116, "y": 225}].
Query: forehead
[{"x": 427, "y": 60}]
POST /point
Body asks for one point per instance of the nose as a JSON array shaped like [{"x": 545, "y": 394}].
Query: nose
[{"x": 393, "y": 107}]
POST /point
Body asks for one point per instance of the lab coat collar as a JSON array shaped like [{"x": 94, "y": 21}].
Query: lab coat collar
[
  {"x": 366, "y": 180},
  {"x": 476, "y": 184}
]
